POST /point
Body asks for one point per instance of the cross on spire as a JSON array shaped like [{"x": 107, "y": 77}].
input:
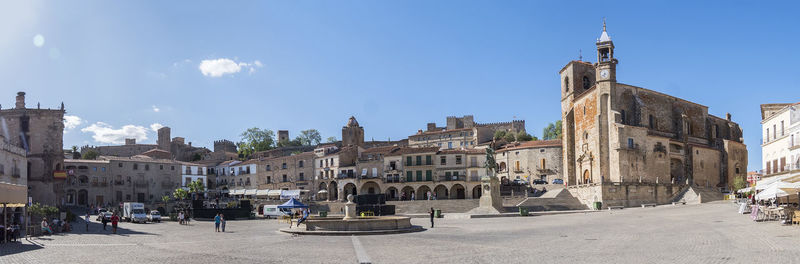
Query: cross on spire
[
  {"x": 580, "y": 55},
  {"x": 604, "y": 24}
]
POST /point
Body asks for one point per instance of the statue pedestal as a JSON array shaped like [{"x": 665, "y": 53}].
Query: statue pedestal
[
  {"x": 349, "y": 208},
  {"x": 490, "y": 201}
]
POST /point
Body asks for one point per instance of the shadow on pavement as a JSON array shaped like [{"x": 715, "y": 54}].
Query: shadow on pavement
[{"x": 17, "y": 247}]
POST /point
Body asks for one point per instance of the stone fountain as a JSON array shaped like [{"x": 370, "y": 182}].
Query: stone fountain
[{"x": 353, "y": 224}]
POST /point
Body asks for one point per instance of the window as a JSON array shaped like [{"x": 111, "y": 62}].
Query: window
[
  {"x": 409, "y": 176},
  {"x": 320, "y": 164},
  {"x": 767, "y": 134},
  {"x": 622, "y": 116},
  {"x": 543, "y": 164},
  {"x": 428, "y": 175},
  {"x": 147, "y": 167},
  {"x": 269, "y": 179},
  {"x": 419, "y": 160},
  {"x": 419, "y": 175},
  {"x": 630, "y": 143},
  {"x": 161, "y": 167},
  {"x": 450, "y": 145},
  {"x": 473, "y": 161},
  {"x": 782, "y": 128},
  {"x": 566, "y": 84},
  {"x": 119, "y": 164},
  {"x": 283, "y": 165},
  {"x": 444, "y": 160},
  {"x": 516, "y": 166},
  {"x": 172, "y": 168},
  {"x": 586, "y": 83},
  {"x": 269, "y": 169},
  {"x": 428, "y": 160},
  {"x": 103, "y": 169},
  {"x": 774, "y": 132},
  {"x": 458, "y": 159},
  {"x": 408, "y": 161},
  {"x": 135, "y": 166},
  {"x": 300, "y": 164},
  {"x": 651, "y": 121},
  {"x": 94, "y": 168},
  {"x": 285, "y": 178}
]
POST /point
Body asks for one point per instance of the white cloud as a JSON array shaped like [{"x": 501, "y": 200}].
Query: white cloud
[
  {"x": 105, "y": 133},
  {"x": 156, "y": 109},
  {"x": 222, "y": 66},
  {"x": 71, "y": 121},
  {"x": 156, "y": 126}
]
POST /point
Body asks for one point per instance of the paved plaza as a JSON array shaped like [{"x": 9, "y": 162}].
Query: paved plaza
[{"x": 707, "y": 233}]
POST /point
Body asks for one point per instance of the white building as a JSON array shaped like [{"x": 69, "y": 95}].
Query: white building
[
  {"x": 193, "y": 172},
  {"x": 780, "y": 146},
  {"x": 13, "y": 175}
]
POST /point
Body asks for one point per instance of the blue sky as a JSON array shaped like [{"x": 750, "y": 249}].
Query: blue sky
[{"x": 124, "y": 67}]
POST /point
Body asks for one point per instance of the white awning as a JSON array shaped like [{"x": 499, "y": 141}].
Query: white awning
[
  {"x": 274, "y": 193},
  {"x": 262, "y": 192},
  {"x": 288, "y": 194},
  {"x": 237, "y": 192},
  {"x": 13, "y": 195},
  {"x": 250, "y": 192},
  {"x": 764, "y": 183},
  {"x": 225, "y": 191}
]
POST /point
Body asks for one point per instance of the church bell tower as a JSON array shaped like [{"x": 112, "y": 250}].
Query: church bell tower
[{"x": 606, "y": 63}]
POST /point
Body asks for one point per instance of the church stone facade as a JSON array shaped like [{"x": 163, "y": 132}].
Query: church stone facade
[{"x": 617, "y": 134}]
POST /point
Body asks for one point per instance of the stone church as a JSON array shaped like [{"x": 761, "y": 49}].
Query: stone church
[{"x": 619, "y": 138}]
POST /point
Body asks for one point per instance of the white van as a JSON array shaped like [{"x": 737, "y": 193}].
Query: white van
[
  {"x": 134, "y": 212},
  {"x": 272, "y": 211}
]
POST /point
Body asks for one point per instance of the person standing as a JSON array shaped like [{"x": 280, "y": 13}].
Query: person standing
[
  {"x": 222, "y": 220},
  {"x": 115, "y": 221},
  {"x": 87, "y": 221},
  {"x": 180, "y": 217},
  {"x": 104, "y": 220},
  {"x": 217, "y": 220},
  {"x": 431, "y": 213}
]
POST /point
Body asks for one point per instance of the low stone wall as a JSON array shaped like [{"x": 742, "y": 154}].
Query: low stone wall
[
  {"x": 625, "y": 194},
  {"x": 358, "y": 224}
]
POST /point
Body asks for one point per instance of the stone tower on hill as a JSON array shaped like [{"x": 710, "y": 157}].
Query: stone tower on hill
[{"x": 352, "y": 133}]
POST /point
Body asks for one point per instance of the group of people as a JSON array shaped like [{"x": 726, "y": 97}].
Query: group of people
[
  {"x": 10, "y": 232},
  {"x": 57, "y": 225},
  {"x": 302, "y": 214},
  {"x": 183, "y": 218},
  {"x": 219, "y": 221}
]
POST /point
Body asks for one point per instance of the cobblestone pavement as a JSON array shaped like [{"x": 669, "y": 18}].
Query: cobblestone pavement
[{"x": 708, "y": 233}]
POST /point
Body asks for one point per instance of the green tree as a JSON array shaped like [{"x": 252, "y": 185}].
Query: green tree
[
  {"x": 197, "y": 157},
  {"x": 499, "y": 134},
  {"x": 552, "y": 131},
  {"x": 738, "y": 183},
  {"x": 255, "y": 140},
  {"x": 290, "y": 143},
  {"x": 165, "y": 199},
  {"x": 75, "y": 153},
  {"x": 196, "y": 187},
  {"x": 509, "y": 137},
  {"x": 331, "y": 140},
  {"x": 90, "y": 154},
  {"x": 523, "y": 136},
  {"x": 309, "y": 137},
  {"x": 180, "y": 194}
]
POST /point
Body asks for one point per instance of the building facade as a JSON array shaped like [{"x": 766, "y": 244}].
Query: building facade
[
  {"x": 619, "y": 133},
  {"x": 13, "y": 173},
  {"x": 461, "y": 133},
  {"x": 780, "y": 146},
  {"x": 532, "y": 160},
  {"x": 40, "y": 132}
]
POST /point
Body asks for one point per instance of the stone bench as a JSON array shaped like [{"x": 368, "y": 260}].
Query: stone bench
[
  {"x": 679, "y": 202},
  {"x": 648, "y": 204},
  {"x": 615, "y": 207}
]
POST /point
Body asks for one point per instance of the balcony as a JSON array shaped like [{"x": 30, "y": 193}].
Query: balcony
[
  {"x": 393, "y": 179},
  {"x": 119, "y": 183},
  {"x": 474, "y": 178},
  {"x": 453, "y": 178}
]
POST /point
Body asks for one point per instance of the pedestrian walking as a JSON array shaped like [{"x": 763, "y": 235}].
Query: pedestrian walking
[
  {"x": 431, "y": 212},
  {"x": 223, "y": 221},
  {"x": 180, "y": 217},
  {"x": 115, "y": 221},
  {"x": 217, "y": 220},
  {"x": 104, "y": 220},
  {"x": 87, "y": 221}
]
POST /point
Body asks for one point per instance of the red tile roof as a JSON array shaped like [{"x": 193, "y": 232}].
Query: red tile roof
[{"x": 531, "y": 144}]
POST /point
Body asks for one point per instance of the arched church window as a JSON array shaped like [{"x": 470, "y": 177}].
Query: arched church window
[
  {"x": 586, "y": 83},
  {"x": 566, "y": 84}
]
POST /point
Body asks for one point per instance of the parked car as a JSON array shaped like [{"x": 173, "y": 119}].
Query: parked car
[
  {"x": 272, "y": 211},
  {"x": 106, "y": 215},
  {"x": 520, "y": 182},
  {"x": 539, "y": 181},
  {"x": 558, "y": 181},
  {"x": 154, "y": 216}
]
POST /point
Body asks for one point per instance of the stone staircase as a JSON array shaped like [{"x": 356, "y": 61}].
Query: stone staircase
[
  {"x": 422, "y": 207},
  {"x": 554, "y": 200},
  {"x": 696, "y": 195}
]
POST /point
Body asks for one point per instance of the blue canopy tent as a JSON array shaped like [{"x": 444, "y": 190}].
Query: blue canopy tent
[{"x": 292, "y": 203}]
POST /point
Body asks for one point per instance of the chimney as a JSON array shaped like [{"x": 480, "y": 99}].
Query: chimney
[
  {"x": 728, "y": 116},
  {"x": 21, "y": 100}
]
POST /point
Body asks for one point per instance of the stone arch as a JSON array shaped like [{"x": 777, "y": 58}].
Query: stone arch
[
  {"x": 422, "y": 192},
  {"x": 348, "y": 189},
  {"x": 441, "y": 192},
  {"x": 333, "y": 191},
  {"x": 370, "y": 187},
  {"x": 392, "y": 194},
  {"x": 83, "y": 197},
  {"x": 320, "y": 194},
  {"x": 476, "y": 192},
  {"x": 71, "y": 197},
  {"x": 407, "y": 193},
  {"x": 458, "y": 192},
  {"x": 586, "y": 176}
]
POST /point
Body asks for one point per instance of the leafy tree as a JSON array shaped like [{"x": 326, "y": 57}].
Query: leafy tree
[
  {"x": 738, "y": 183},
  {"x": 90, "y": 154},
  {"x": 499, "y": 134},
  {"x": 522, "y": 136},
  {"x": 552, "y": 131},
  {"x": 75, "y": 153},
  {"x": 290, "y": 143},
  {"x": 255, "y": 140},
  {"x": 331, "y": 139},
  {"x": 509, "y": 137},
  {"x": 196, "y": 187},
  {"x": 309, "y": 137},
  {"x": 165, "y": 199},
  {"x": 180, "y": 194}
]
